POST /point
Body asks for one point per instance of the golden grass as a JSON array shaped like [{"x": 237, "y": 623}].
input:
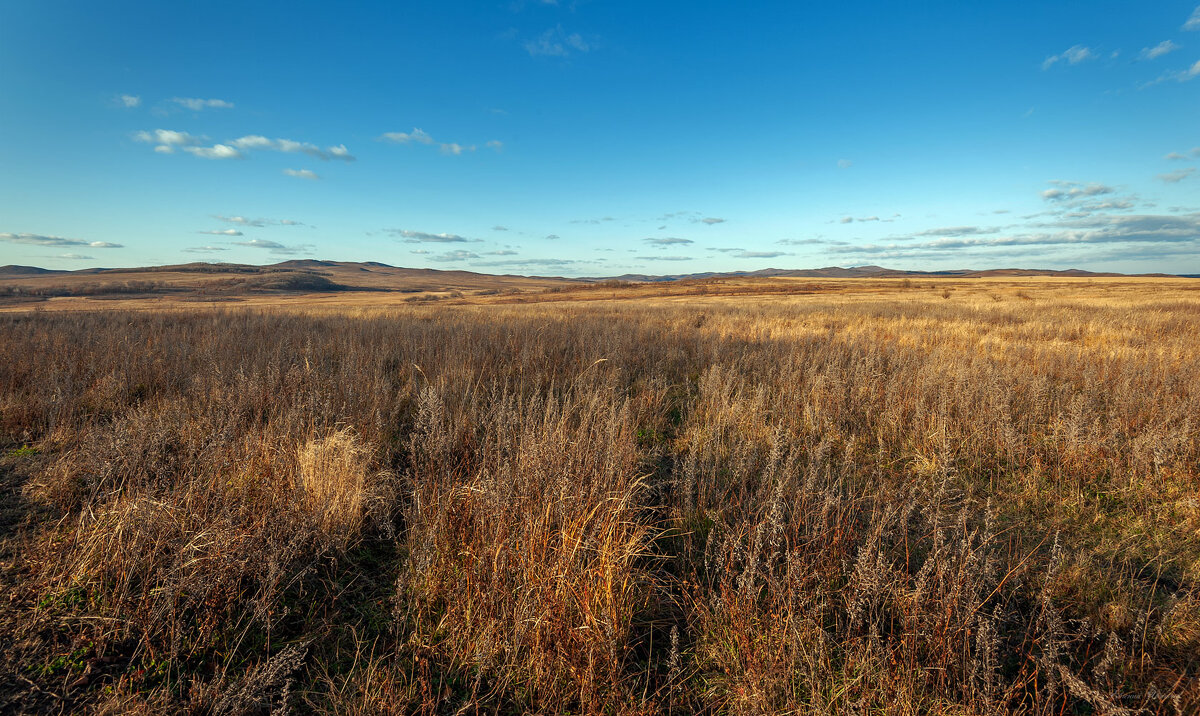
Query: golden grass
[{"x": 830, "y": 497}]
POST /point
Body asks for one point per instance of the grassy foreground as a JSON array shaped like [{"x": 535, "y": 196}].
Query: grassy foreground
[{"x": 913, "y": 500}]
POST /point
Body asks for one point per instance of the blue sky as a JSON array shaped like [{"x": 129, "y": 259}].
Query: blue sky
[{"x": 597, "y": 138}]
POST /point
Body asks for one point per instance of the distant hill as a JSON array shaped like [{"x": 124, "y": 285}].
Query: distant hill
[
  {"x": 320, "y": 276},
  {"x": 864, "y": 272},
  {"x": 11, "y": 270}
]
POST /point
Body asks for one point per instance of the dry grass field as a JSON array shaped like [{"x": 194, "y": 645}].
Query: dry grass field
[{"x": 951, "y": 496}]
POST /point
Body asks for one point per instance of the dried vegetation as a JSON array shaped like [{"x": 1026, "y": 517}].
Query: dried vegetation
[{"x": 894, "y": 502}]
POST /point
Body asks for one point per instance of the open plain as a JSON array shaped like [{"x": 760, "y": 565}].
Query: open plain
[{"x": 741, "y": 495}]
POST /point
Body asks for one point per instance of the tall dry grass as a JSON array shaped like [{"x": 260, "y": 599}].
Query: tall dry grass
[{"x": 895, "y": 503}]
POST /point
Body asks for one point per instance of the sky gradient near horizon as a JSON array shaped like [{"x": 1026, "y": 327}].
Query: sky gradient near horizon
[{"x": 598, "y": 138}]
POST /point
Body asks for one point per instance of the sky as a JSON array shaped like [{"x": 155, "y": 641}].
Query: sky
[{"x": 599, "y": 138}]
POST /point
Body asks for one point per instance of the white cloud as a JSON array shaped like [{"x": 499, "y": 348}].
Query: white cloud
[
  {"x": 222, "y": 232},
  {"x": 418, "y": 136},
  {"x": 1072, "y": 55},
  {"x": 669, "y": 241},
  {"x": 216, "y": 151},
  {"x": 1162, "y": 48},
  {"x": 76, "y": 257},
  {"x": 1176, "y": 176},
  {"x": 43, "y": 240},
  {"x": 845, "y": 163},
  {"x": 664, "y": 258},
  {"x": 129, "y": 100},
  {"x": 456, "y": 149},
  {"x": 205, "y": 249},
  {"x": 1193, "y": 153},
  {"x": 167, "y": 138},
  {"x": 253, "y": 141},
  {"x": 196, "y": 104},
  {"x": 1193, "y": 21},
  {"x": 301, "y": 173},
  {"x": 494, "y": 144}
]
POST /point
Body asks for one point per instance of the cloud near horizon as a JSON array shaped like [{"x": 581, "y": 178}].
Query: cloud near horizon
[
  {"x": 274, "y": 246},
  {"x": 44, "y": 240}
]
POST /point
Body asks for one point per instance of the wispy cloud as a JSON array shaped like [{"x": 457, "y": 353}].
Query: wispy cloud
[
  {"x": 196, "y": 104},
  {"x": 129, "y": 101},
  {"x": 302, "y": 174},
  {"x": 668, "y": 241},
  {"x": 1185, "y": 75},
  {"x": 459, "y": 255},
  {"x": 958, "y": 231},
  {"x": 222, "y": 232},
  {"x": 243, "y": 221},
  {"x": 530, "y": 263},
  {"x": 710, "y": 220},
  {"x": 1162, "y": 48},
  {"x": 556, "y": 42},
  {"x": 420, "y": 136},
  {"x": 499, "y": 228},
  {"x": 1072, "y": 55},
  {"x": 500, "y": 252},
  {"x": 661, "y": 257},
  {"x": 744, "y": 254},
  {"x": 1193, "y": 153},
  {"x": 1193, "y": 21},
  {"x": 845, "y": 163},
  {"x": 43, "y": 240},
  {"x": 801, "y": 242},
  {"x": 288, "y": 146},
  {"x": 205, "y": 249},
  {"x": 422, "y": 237},
  {"x": 1176, "y": 176},
  {"x": 74, "y": 257},
  {"x": 274, "y": 246},
  {"x": 1063, "y": 190},
  {"x": 417, "y": 136},
  {"x": 1149, "y": 229}
]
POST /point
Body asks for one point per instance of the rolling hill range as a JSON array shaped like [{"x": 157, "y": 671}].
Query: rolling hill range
[{"x": 378, "y": 283}]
